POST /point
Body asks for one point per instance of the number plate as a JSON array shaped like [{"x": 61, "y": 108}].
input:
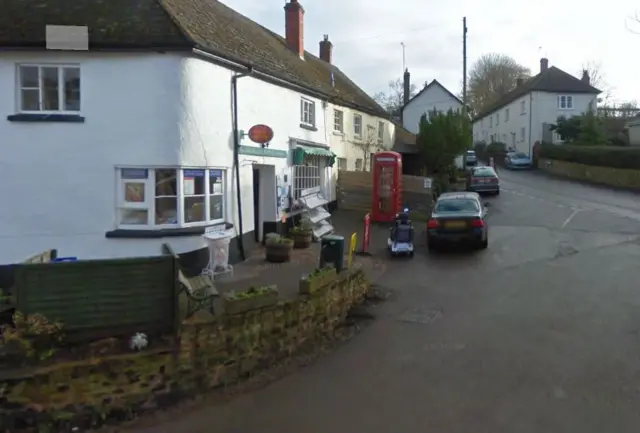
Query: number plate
[{"x": 455, "y": 224}]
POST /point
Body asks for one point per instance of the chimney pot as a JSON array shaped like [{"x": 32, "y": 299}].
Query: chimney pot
[
  {"x": 585, "y": 77},
  {"x": 326, "y": 49},
  {"x": 544, "y": 64},
  {"x": 294, "y": 27}
]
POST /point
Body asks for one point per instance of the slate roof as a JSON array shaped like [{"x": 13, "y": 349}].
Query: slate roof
[
  {"x": 552, "y": 80},
  {"x": 208, "y": 25},
  {"x": 434, "y": 83}
]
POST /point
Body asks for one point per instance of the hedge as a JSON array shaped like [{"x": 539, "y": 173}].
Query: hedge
[{"x": 601, "y": 156}]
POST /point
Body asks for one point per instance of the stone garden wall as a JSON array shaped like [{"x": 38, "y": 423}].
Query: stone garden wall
[{"x": 206, "y": 354}]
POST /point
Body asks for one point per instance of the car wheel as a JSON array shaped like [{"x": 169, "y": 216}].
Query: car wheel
[
  {"x": 498, "y": 192},
  {"x": 431, "y": 246},
  {"x": 484, "y": 244}
]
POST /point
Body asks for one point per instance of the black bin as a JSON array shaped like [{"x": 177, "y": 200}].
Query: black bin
[{"x": 332, "y": 252}]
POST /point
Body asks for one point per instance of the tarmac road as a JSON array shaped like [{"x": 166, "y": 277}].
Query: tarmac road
[{"x": 539, "y": 333}]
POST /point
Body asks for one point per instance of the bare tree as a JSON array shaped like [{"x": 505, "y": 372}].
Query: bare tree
[
  {"x": 491, "y": 77},
  {"x": 368, "y": 145},
  {"x": 393, "y": 99},
  {"x": 597, "y": 79}
]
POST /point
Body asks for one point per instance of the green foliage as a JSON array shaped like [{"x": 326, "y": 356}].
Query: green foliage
[
  {"x": 601, "y": 156},
  {"x": 276, "y": 239},
  {"x": 586, "y": 129},
  {"x": 252, "y": 293},
  {"x": 441, "y": 138},
  {"x": 34, "y": 336}
]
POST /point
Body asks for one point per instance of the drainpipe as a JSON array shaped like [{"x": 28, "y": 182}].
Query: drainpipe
[
  {"x": 236, "y": 158},
  {"x": 530, "y": 119}
]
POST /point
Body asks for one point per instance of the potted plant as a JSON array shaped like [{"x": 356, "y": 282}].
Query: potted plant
[
  {"x": 278, "y": 248},
  {"x": 316, "y": 280},
  {"x": 252, "y": 299},
  {"x": 302, "y": 234}
]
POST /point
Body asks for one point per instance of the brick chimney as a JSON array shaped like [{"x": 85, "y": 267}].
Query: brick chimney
[
  {"x": 519, "y": 82},
  {"x": 585, "y": 77},
  {"x": 544, "y": 64},
  {"x": 294, "y": 27},
  {"x": 407, "y": 86},
  {"x": 326, "y": 48}
]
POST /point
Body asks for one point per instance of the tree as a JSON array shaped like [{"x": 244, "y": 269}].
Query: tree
[
  {"x": 596, "y": 78},
  {"x": 491, "y": 77},
  {"x": 587, "y": 129},
  {"x": 368, "y": 145},
  {"x": 393, "y": 99},
  {"x": 441, "y": 138}
]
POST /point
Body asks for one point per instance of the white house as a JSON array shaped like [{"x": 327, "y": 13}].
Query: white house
[
  {"x": 523, "y": 116},
  {"x": 142, "y": 139},
  {"x": 433, "y": 97}
]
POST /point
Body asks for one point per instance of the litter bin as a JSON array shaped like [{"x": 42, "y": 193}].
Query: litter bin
[{"x": 332, "y": 252}]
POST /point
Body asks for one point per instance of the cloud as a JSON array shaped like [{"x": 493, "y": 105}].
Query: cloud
[{"x": 367, "y": 36}]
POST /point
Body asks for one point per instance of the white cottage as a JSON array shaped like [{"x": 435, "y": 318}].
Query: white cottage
[
  {"x": 142, "y": 139},
  {"x": 523, "y": 116}
]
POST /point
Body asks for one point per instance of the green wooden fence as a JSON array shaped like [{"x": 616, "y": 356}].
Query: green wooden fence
[{"x": 101, "y": 296}]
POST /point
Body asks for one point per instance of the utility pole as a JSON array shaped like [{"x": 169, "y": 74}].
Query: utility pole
[
  {"x": 404, "y": 58},
  {"x": 464, "y": 65}
]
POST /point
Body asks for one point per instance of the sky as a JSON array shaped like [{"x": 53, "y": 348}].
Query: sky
[{"x": 367, "y": 37}]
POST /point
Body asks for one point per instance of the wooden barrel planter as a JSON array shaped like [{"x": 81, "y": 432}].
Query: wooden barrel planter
[
  {"x": 302, "y": 238},
  {"x": 278, "y": 250}
]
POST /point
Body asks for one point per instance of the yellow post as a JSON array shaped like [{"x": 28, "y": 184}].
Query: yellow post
[{"x": 352, "y": 249}]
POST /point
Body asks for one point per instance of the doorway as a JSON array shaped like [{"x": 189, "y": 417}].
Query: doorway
[{"x": 257, "y": 221}]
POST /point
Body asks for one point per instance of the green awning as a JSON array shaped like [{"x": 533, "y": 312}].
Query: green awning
[{"x": 318, "y": 151}]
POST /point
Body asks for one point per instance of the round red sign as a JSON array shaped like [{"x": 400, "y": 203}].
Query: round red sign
[{"x": 260, "y": 134}]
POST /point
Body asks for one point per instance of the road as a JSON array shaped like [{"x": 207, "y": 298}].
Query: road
[{"x": 539, "y": 333}]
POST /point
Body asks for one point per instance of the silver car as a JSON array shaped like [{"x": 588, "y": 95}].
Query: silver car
[
  {"x": 458, "y": 217},
  {"x": 484, "y": 179}
]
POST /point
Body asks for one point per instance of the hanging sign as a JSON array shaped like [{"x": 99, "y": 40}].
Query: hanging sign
[{"x": 260, "y": 134}]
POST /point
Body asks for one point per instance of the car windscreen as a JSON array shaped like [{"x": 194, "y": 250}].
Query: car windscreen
[
  {"x": 520, "y": 155},
  {"x": 471, "y": 152},
  {"x": 484, "y": 172},
  {"x": 456, "y": 205}
]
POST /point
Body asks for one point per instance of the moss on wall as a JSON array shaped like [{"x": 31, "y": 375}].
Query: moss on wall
[
  {"x": 205, "y": 355},
  {"x": 616, "y": 177}
]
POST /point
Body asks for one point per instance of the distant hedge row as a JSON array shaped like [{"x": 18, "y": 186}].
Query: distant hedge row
[{"x": 601, "y": 156}]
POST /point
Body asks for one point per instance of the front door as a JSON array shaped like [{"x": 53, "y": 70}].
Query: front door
[{"x": 256, "y": 204}]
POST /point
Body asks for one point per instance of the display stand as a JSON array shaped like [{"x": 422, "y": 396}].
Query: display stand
[
  {"x": 315, "y": 212},
  {"x": 218, "y": 240}
]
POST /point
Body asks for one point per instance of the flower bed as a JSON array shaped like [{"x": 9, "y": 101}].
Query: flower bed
[
  {"x": 317, "y": 280},
  {"x": 252, "y": 299}
]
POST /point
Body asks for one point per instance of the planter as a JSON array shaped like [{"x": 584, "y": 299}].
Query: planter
[
  {"x": 278, "y": 252},
  {"x": 313, "y": 283},
  {"x": 241, "y": 305},
  {"x": 302, "y": 238}
]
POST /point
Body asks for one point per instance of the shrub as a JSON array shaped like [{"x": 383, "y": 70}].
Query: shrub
[{"x": 601, "y": 156}]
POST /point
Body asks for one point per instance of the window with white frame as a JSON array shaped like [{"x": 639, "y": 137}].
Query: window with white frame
[
  {"x": 565, "y": 102},
  {"x": 523, "y": 107},
  {"x": 380, "y": 131},
  {"x": 497, "y": 118},
  {"x": 359, "y": 163},
  {"x": 506, "y": 115},
  {"x": 308, "y": 174},
  {"x": 523, "y": 133},
  {"x": 338, "y": 121},
  {"x": 169, "y": 197},
  {"x": 307, "y": 112},
  {"x": 49, "y": 88},
  {"x": 491, "y": 122},
  {"x": 556, "y": 138},
  {"x": 357, "y": 125},
  {"x": 342, "y": 163}
]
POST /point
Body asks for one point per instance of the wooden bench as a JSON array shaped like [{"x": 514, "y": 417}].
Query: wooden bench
[{"x": 199, "y": 289}]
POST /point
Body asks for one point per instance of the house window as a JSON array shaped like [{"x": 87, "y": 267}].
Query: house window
[
  {"x": 342, "y": 163},
  {"x": 556, "y": 137},
  {"x": 506, "y": 115},
  {"x": 380, "y": 131},
  {"x": 513, "y": 139},
  {"x": 308, "y": 174},
  {"x": 504, "y": 138},
  {"x": 523, "y": 107},
  {"x": 307, "y": 112},
  {"x": 52, "y": 88},
  {"x": 497, "y": 118},
  {"x": 359, "y": 164},
  {"x": 338, "y": 121},
  {"x": 565, "y": 102},
  {"x": 169, "y": 197},
  {"x": 357, "y": 125},
  {"x": 523, "y": 132},
  {"x": 490, "y": 122}
]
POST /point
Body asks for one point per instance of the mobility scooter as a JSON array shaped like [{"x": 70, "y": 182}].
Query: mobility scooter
[{"x": 400, "y": 240}]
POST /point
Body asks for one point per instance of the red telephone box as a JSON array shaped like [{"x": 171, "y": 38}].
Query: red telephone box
[{"x": 387, "y": 176}]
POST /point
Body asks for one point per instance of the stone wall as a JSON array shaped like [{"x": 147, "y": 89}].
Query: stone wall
[
  {"x": 207, "y": 354},
  {"x": 616, "y": 177}
]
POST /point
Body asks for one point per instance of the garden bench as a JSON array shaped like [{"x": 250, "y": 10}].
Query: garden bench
[{"x": 199, "y": 289}]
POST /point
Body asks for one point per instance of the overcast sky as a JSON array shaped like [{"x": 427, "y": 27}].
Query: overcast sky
[{"x": 367, "y": 36}]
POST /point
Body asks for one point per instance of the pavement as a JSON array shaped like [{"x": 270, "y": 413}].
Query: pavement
[{"x": 538, "y": 333}]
